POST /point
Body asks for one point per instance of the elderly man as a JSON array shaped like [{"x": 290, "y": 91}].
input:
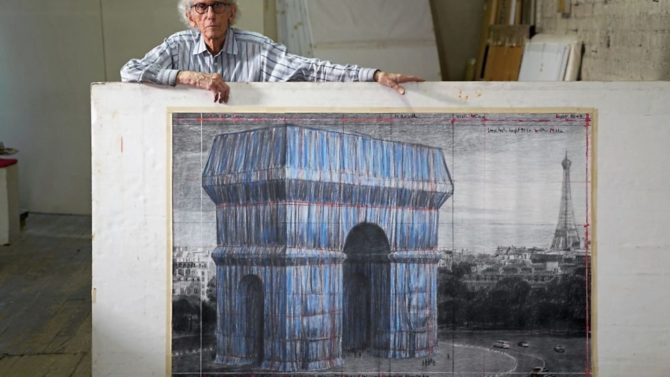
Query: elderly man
[{"x": 212, "y": 53}]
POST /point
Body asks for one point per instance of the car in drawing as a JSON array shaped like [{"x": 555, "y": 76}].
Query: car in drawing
[
  {"x": 503, "y": 344},
  {"x": 559, "y": 348},
  {"x": 523, "y": 344}
]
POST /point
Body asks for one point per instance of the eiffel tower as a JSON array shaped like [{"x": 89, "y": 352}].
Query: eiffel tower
[{"x": 566, "y": 237}]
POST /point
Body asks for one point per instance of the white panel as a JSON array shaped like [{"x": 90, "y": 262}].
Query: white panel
[
  {"x": 370, "y": 21},
  {"x": 393, "y": 35},
  {"x": 4, "y": 208},
  {"x": 416, "y": 60},
  {"x": 9, "y": 211},
  {"x": 294, "y": 26},
  {"x": 131, "y": 223}
]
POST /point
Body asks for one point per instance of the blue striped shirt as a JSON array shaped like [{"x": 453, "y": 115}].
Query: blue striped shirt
[{"x": 245, "y": 57}]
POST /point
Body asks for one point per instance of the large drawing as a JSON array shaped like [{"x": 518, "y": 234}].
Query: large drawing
[{"x": 397, "y": 243}]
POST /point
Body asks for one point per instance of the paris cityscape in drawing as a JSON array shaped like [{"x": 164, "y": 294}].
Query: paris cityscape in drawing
[{"x": 363, "y": 243}]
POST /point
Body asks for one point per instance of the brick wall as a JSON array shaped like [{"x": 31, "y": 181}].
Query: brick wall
[{"x": 624, "y": 39}]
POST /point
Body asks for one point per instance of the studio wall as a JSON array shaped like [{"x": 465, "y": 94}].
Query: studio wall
[
  {"x": 623, "y": 40},
  {"x": 52, "y": 52}
]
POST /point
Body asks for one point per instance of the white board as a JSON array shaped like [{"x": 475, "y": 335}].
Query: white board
[
  {"x": 131, "y": 223},
  {"x": 551, "y": 58},
  {"x": 393, "y": 35}
]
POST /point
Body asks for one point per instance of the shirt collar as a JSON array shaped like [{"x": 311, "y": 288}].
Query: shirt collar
[
  {"x": 229, "y": 45},
  {"x": 200, "y": 46}
]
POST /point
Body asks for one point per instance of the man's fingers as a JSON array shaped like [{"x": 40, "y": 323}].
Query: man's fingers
[
  {"x": 226, "y": 94},
  {"x": 220, "y": 96},
  {"x": 221, "y": 90},
  {"x": 223, "y": 96},
  {"x": 393, "y": 80},
  {"x": 212, "y": 82},
  {"x": 393, "y": 84},
  {"x": 409, "y": 78}
]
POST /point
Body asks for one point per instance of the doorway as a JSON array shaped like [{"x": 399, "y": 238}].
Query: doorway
[
  {"x": 251, "y": 318},
  {"x": 366, "y": 301}
]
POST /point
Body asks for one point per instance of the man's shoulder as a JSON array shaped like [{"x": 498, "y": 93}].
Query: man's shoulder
[{"x": 245, "y": 36}]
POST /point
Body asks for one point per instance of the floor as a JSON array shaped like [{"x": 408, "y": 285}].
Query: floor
[{"x": 45, "y": 299}]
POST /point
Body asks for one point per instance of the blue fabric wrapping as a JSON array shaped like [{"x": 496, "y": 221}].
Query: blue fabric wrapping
[{"x": 302, "y": 214}]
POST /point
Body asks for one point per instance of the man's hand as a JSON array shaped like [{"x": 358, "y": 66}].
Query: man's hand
[
  {"x": 393, "y": 80},
  {"x": 208, "y": 81}
]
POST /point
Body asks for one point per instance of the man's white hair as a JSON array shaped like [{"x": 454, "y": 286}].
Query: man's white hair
[{"x": 185, "y": 5}]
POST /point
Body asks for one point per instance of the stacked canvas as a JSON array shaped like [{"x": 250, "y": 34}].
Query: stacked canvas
[{"x": 551, "y": 58}]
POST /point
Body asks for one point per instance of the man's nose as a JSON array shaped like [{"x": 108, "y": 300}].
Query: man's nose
[{"x": 210, "y": 11}]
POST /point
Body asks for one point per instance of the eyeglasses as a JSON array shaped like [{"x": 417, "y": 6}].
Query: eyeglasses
[{"x": 218, "y": 7}]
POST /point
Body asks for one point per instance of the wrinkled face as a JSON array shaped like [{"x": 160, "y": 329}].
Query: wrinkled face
[{"x": 211, "y": 17}]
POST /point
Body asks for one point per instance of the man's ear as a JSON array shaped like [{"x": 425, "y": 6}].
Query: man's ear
[
  {"x": 190, "y": 19},
  {"x": 233, "y": 14}
]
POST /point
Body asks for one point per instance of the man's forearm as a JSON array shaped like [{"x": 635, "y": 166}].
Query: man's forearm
[
  {"x": 136, "y": 71},
  {"x": 197, "y": 79},
  {"x": 208, "y": 81},
  {"x": 186, "y": 78}
]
